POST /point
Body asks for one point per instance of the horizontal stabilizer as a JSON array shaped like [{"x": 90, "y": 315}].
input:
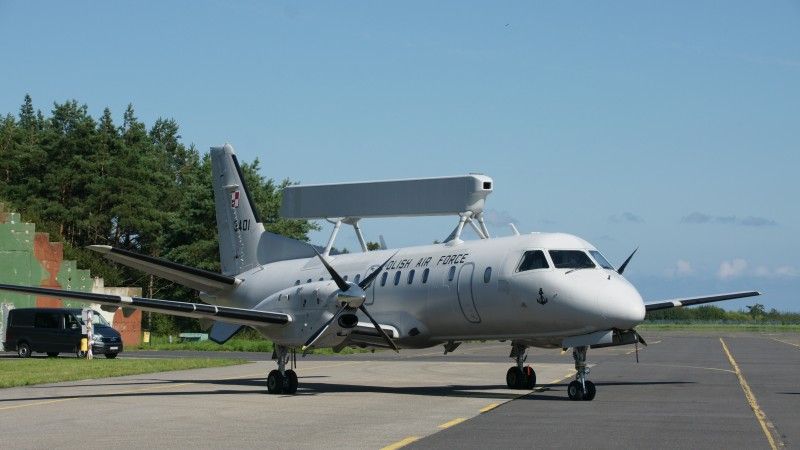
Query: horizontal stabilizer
[
  {"x": 679, "y": 302},
  {"x": 202, "y": 280},
  {"x": 184, "y": 309}
]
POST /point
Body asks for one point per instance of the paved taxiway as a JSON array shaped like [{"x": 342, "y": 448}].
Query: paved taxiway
[{"x": 685, "y": 393}]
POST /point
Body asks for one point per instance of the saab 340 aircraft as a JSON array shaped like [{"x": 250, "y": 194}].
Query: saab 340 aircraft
[{"x": 549, "y": 290}]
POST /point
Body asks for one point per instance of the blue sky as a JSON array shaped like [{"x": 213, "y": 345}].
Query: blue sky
[{"x": 672, "y": 126}]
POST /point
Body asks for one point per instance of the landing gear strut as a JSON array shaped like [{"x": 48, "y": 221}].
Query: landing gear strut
[
  {"x": 581, "y": 388},
  {"x": 282, "y": 381},
  {"x": 519, "y": 377}
]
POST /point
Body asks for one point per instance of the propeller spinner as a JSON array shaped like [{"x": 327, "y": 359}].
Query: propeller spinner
[{"x": 351, "y": 296}]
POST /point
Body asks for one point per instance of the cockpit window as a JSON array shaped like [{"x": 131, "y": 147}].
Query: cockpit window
[
  {"x": 601, "y": 260},
  {"x": 533, "y": 259},
  {"x": 571, "y": 259}
]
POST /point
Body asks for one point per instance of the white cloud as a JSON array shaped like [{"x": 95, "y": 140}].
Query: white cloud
[
  {"x": 732, "y": 269},
  {"x": 778, "y": 272},
  {"x": 683, "y": 268}
]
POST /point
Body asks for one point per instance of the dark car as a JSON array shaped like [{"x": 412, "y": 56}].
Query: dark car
[{"x": 57, "y": 330}]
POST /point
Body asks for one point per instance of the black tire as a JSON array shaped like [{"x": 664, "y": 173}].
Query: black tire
[
  {"x": 514, "y": 377},
  {"x": 52, "y": 354},
  {"x": 80, "y": 354},
  {"x": 530, "y": 377},
  {"x": 275, "y": 382},
  {"x": 591, "y": 390},
  {"x": 290, "y": 386},
  {"x": 574, "y": 391},
  {"x": 24, "y": 350},
  {"x": 111, "y": 355}
]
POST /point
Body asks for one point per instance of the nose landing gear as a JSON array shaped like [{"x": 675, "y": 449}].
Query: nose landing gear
[
  {"x": 519, "y": 377},
  {"x": 581, "y": 388},
  {"x": 282, "y": 381}
]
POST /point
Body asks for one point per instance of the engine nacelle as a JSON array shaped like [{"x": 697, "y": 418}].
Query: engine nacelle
[{"x": 348, "y": 320}]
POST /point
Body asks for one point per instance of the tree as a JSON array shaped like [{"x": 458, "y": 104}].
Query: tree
[{"x": 756, "y": 311}]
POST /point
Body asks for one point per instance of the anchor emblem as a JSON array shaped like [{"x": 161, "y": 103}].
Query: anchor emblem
[{"x": 542, "y": 299}]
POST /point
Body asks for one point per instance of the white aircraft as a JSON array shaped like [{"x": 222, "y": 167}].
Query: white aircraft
[{"x": 549, "y": 290}]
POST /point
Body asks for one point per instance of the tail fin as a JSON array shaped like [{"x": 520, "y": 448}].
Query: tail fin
[{"x": 243, "y": 241}]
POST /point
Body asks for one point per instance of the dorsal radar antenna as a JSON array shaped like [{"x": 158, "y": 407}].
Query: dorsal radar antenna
[{"x": 348, "y": 203}]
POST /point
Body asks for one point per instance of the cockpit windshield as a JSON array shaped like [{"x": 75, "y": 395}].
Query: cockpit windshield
[
  {"x": 571, "y": 259},
  {"x": 601, "y": 260}
]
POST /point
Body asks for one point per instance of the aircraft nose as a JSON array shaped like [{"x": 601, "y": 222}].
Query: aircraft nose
[{"x": 624, "y": 307}]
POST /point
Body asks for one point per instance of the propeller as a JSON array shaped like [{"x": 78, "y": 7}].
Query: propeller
[
  {"x": 351, "y": 296},
  {"x": 625, "y": 264}
]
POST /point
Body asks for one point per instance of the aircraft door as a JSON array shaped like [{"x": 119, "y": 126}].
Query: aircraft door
[
  {"x": 372, "y": 289},
  {"x": 466, "y": 298}
]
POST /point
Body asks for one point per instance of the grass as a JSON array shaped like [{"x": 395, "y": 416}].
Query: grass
[
  {"x": 233, "y": 345},
  {"x": 721, "y": 326},
  {"x": 25, "y": 372}
]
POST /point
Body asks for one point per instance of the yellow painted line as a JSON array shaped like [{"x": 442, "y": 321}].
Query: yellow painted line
[
  {"x": 452, "y": 422},
  {"x": 751, "y": 399},
  {"x": 689, "y": 367},
  {"x": 489, "y": 407},
  {"x": 401, "y": 443},
  {"x": 557, "y": 380},
  {"x": 36, "y": 403},
  {"x": 786, "y": 342}
]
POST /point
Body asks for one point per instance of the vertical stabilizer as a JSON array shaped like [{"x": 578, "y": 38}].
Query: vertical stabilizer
[
  {"x": 238, "y": 222},
  {"x": 243, "y": 242}
]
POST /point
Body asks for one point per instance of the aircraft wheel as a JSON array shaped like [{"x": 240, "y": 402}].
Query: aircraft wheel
[
  {"x": 574, "y": 391},
  {"x": 590, "y": 391},
  {"x": 275, "y": 382},
  {"x": 530, "y": 378},
  {"x": 290, "y": 386},
  {"x": 514, "y": 378}
]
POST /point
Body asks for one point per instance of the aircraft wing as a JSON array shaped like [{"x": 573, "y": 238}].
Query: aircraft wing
[
  {"x": 239, "y": 316},
  {"x": 679, "y": 302},
  {"x": 202, "y": 280}
]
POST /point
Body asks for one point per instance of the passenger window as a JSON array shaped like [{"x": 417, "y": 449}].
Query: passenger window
[
  {"x": 320, "y": 278},
  {"x": 531, "y": 260},
  {"x": 487, "y": 274},
  {"x": 47, "y": 320},
  {"x": 397, "y": 278},
  {"x": 452, "y": 273},
  {"x": 297, "y": 282},
  {"x": 383, "y": 278},
  {"x": 425, "y": 275},
  {"x": 357, "y": 278},
  {"x": 411, "y": 276},
  {"x": 308, "y": 280},
  {"x": 344, "y": 278}
]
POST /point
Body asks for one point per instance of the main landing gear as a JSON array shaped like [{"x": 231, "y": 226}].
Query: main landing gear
[
  {"x": 282, "y": 381},
  {"x": 519, "y": 377},
  {"x": 581, "y": 388}
]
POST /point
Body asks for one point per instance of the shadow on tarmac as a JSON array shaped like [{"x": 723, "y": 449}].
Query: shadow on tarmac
[{"x": 315, "y": 388}]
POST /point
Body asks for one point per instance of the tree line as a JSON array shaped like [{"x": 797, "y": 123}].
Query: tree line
[
  {"x": 89, "y": 180},
  {"x": 754, "y": 313}
]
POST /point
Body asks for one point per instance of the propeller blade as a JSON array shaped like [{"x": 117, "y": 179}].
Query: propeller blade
[
  {"x": 317, "y": 334},
  {"x": 364, "y": 284},
  {"x": 625, "y": 264},
  {"x": 343, "y": 286},
  {"x": 380, "y": 330},
  {"x": 640, "y": 338}
]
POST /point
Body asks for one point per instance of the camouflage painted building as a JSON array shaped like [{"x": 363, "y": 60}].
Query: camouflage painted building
[{"x": 29, "y": 258}]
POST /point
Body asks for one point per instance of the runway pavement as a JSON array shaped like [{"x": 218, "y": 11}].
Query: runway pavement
[{"x": 684, "y": 393}]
